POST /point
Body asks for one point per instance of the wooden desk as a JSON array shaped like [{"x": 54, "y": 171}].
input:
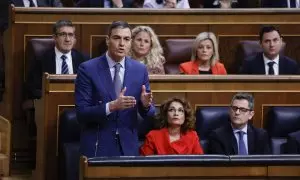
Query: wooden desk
[
  {"x": 225, "y": 170},
  {"x": 58, "y": 94}
]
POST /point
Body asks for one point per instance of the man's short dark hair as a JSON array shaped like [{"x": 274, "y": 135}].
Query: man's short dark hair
[
  {"x": 267, "y": 29},
  {"x": 61, "y": 23},
  {"x": 245, "y": 96},
  {"x": 117, "y": 24}
]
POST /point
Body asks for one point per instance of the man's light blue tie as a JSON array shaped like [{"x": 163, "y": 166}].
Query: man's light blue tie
[
  {"x": 117, "y": 79},
  {"x": 64, "y": 65},
  {"x": 242, "y": 146}
]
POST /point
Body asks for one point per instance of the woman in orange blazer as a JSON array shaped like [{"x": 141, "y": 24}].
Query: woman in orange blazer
[
  {"x": 176, "y": 135},
  {"x": 205, "y": 56}
]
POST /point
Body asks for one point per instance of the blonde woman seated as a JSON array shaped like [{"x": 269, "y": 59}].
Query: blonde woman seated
[
  {"x": 176, "y": 135},
  {"x": 205, "y": 56},
  {"x": 147, "y": 49}
]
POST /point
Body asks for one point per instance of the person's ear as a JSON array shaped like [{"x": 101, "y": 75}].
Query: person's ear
[
  {"x": 251, "y": 114},
  {"x": 107, "y": 40}
]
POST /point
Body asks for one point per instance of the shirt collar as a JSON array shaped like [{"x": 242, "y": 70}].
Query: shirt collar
[
  {"x": 112, "y": 63},
  {"x": 59, "y": 54},
  {"x": 267, "y": 60},
  {"x": 244, "y": 129}
]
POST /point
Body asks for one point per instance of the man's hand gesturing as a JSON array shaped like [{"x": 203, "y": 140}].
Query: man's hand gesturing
[
  {"x": 146, "y": 97},
  {"x": 123, "y": 102}
]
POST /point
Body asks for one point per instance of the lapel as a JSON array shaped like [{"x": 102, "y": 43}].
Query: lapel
[
  {"x": 195, "y": 67},
  {"x": 105, "y": 77},
  {"x": 261, "y": 65},
  {"x": 281, "y": 65},
  {"x": 74, "y": 61},
  {"x": 232, "y": 140},
  {"x": 214, "y": 69},
  {"x": 128, "y": 74},
  {"x": 50, "y": 62},
  {"x": 250, "y": 136}
]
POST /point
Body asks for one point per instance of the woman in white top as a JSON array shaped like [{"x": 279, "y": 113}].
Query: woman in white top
[{"x": 181, "y": 4}]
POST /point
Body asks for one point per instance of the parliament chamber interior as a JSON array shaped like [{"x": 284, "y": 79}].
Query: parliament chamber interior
[{"x": 40, "y": 138}]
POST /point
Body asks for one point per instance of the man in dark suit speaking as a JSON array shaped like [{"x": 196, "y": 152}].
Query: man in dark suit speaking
[
  {"x": 239, "y": 137},
  {"x": 62, "y": 59},
  {"x": 270, "y": 62},
  {"x": 110, "y": 90}
]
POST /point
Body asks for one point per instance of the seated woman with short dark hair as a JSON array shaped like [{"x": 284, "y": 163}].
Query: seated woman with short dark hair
[{"x": 176, "y": 135}]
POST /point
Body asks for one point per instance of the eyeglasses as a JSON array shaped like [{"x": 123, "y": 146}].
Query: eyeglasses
[
  {"x": 173, "y": 110},
  {"x": 63, "y": 34},
  {"x": 241, "y": 109}
]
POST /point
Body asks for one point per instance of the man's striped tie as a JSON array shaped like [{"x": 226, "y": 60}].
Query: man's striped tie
[{"x": 64, "y": 65}]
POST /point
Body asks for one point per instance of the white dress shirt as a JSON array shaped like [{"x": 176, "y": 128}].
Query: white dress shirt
[
  {"x": 58, "y": 61},
  {"x": 183, "y": 4},
  {"x": 27, "y": 3},
  {"x": 275, "y": 66},
  {"x": 111, "y": 65},
  {"x": 245, "y": 136}
]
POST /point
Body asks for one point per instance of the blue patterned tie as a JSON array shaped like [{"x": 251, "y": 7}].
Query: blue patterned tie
[
  {"x": 242, "y": 146},
  {"x": 64, "y": 65},
  {"x": 117, "y": 79},
  {"x": 271, "y": 69}
]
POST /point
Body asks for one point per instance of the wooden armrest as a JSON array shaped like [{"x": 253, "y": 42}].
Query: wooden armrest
[{"x": 5, "y": 135}]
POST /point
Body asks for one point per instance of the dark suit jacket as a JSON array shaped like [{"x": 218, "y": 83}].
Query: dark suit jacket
[
  {"x": 223, "y": 141},
  {"x": 46, "y": 63},
  {"x": 274, "y": 3},
  {"x": 239, "y": 4},
  {"x": 41, "y": 3},
  {"x": 3, "y": 15},
  {"x": 93, "y": 89},
  {"x": 293, "y": 143},
  {"x": 255, "y": 65},
  {"x": 100, "y": 3}
]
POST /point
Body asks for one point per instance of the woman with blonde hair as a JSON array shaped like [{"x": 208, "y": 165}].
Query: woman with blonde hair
[
  {"x": 147, "y": 49},
  {"x": 205, "y": 56}
]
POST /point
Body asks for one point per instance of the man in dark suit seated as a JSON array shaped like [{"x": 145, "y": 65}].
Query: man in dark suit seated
[
  {"x": 239, "y": 136},
  {"x": 293, "y": 143},
  {"x": 62, "y": 59},
  {"x": 270, "y": 62}
]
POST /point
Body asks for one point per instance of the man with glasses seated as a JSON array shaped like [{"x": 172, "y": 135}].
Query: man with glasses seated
[
  {"x": 62, "y": 59},
  {"x": 239, "y": 137}
]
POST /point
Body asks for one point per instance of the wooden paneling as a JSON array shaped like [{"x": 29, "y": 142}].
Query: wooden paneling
[
  {"x": 199, "y": 90},
  {"x": 5, "y": 140},
  {"x": 91, "y": 29}
]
